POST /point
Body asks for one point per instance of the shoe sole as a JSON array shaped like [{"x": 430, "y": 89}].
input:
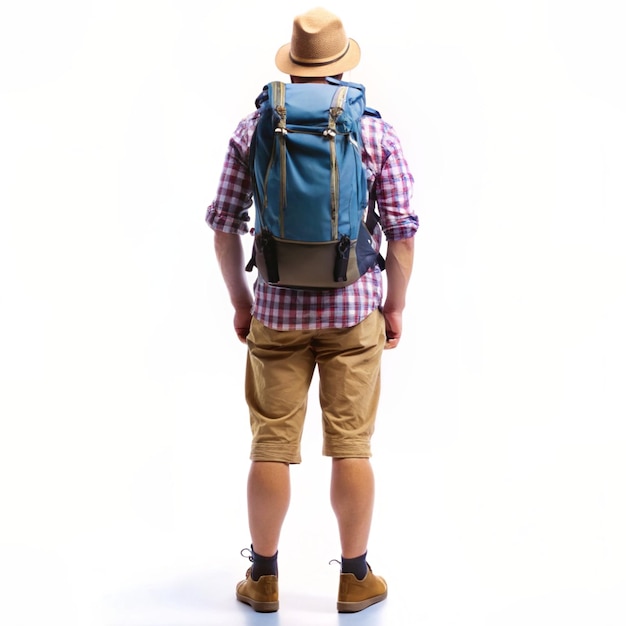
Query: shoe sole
[
  {"x": 259, "y": 607},
  {"x": 355, "y": 607}
]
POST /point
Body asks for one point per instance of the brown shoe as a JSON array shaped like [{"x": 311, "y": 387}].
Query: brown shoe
[
  {"x": 261, "y": 595},
  {"x": 356, "y": 595}
]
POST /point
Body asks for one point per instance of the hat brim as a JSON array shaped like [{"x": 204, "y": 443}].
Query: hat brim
[{"x": 347, "y": 62}]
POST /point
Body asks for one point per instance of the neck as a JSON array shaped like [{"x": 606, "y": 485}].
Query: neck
[{"x": 312, "y": 79}]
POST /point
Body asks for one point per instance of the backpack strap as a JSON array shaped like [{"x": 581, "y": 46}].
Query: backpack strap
[
  {"x": 336, "y": 109},
  {"x": 372, "y": 219},
  {"x": 278, "y": 104},
  {"x": 371, "y": 112}
]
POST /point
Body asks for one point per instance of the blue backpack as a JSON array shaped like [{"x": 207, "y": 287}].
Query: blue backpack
[{"x": 310, "y": 186}]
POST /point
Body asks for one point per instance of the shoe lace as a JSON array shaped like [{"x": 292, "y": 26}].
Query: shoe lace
[
  {"x": 340, "y": 565},
  {"x": 247, "y": 554}
]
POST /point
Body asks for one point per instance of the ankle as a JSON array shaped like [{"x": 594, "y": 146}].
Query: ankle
[
  {"x": 263, "y": 565},
  {"x": 356, "y": 566}
]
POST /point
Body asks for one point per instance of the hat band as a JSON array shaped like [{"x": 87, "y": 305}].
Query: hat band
[{"x": 319, "y": 63}]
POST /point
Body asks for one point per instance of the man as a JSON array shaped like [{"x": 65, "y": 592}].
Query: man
[{"x": 340, "y": 331}]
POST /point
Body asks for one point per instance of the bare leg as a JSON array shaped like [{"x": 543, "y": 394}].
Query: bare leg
[
  {"x": 269, "y": 492},
  {"x": 352, "y": 499}
]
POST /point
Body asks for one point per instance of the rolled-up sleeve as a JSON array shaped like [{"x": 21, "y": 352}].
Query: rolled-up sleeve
[
  {"x": 392, "y": 179},
  {"x": 229, "y": 210}
]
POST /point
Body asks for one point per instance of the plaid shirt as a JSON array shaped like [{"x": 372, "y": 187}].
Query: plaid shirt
[{"x": 282, "y": 308}]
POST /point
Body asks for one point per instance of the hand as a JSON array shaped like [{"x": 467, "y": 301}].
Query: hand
[
  {"x": 241, "y": 322},
  {"x": 393, "y": 328}
]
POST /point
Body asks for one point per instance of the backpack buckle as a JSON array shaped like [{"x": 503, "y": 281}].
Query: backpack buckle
[{"x": 341, "y": 260}]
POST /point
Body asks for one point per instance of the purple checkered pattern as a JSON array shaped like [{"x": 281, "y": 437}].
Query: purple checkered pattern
[{"x": 290, "y": 309}]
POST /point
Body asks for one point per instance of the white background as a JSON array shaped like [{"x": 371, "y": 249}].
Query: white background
[{"x": 499, "y": 449}]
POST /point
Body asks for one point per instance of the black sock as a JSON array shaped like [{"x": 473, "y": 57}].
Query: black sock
[
  {"x": 356, "y": 566},
  {"x": 264, "y": 565}
]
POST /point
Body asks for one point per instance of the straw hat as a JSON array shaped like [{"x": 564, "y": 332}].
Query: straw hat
[{"x": 318, "y": 47}]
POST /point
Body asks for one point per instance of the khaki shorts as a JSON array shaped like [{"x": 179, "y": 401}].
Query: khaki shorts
[{"x": 279, "y": 371}]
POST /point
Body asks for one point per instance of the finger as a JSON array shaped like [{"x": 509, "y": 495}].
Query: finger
[{"x": 391, "y": 343}]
